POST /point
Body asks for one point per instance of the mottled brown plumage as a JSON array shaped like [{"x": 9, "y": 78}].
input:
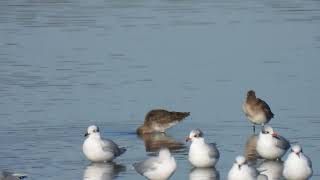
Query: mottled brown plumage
[
  {"x": 257, "y": 110},
  {"x": 158, "y": 120}
]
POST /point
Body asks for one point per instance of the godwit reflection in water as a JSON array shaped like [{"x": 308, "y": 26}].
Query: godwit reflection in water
[
  {"x": 250, "y": 149},
  {"x": 154, "y": 141}
]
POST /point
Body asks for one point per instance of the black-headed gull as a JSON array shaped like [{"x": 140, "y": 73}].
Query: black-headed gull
[
  {"x": 297, "y": 166},
  {"x": 270, "y": 145},
  {"x": 97, "y": 149},
  {"x": 242, "y": 171},
  {"x": 201, "y": 154},
  {"x": 256, "y": 110},
  {"x": 157, "y": 168},
  {"x": 158, "y": 120},
  {"x": 5, "y": 175}
]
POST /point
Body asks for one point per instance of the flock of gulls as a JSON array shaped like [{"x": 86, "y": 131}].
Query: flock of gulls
[{"x": 268, "y": 146}]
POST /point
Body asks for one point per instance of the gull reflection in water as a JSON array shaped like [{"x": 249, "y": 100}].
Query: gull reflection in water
[
  {"x": 102, "y": 171},
  {"x": 272, "y": 169},
  {"x": 204, "y": 174},
  {"x": 154, "y": 141}
]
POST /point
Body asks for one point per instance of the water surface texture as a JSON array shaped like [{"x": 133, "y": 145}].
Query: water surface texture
[{"x": 67, "y": 64}]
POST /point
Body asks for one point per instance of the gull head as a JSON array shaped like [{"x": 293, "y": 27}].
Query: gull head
[
  {"x": 297, "y": 150},
  {"x": 195, "y": 134},
  {"x": 240, "y": 160},
  {"x": 268, "y": 130},
  {"x": 93, "y": 129}
]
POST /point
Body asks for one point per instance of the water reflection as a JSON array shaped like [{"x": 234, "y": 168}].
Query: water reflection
[
  {"x": 272, "y": 169},
  {"x": 102, "y": 171},
  {"x": 154, "y": 141},
  {"x": 204, "y": 174},
  {"x": 250, "y": 149}
]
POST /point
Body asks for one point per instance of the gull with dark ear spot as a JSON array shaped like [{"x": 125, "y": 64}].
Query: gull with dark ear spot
[
  {"x": 97, "y": 149},
  {"x": 242, "y": 171},
  {"x": 5, "y": 175},
  {"x": 158, "y": 120},
  {"x": 297, "y": 166},
  {"x": 202, "y": 154},
  {"x": 256, "y": 110},
  {"x": 270, "y": 145}
]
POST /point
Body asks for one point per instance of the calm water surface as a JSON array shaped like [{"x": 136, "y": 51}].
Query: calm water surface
[{"x": 67, "y": 64}]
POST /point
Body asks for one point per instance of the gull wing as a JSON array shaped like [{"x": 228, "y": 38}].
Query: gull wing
[
  {"x": 309, "y": 161},
  {"x": 109, "y": 145},
  {"x": 282, "y": 143},
  {"x": 213, "y": 151}
]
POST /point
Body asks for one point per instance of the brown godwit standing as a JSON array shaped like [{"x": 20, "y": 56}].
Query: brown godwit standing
[{"x": 256, "y": 110}]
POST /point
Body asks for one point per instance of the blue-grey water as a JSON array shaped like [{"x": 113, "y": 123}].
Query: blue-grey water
[{"x": 67, "y": 64}]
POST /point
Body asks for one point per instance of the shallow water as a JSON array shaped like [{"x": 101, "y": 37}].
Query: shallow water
[{"x": 67, "y": 64}]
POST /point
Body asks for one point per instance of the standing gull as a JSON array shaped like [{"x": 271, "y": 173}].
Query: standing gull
[
  {"x": 297, "y": 166},
  {"x": 159, "y": 120},
  {"x": 202, "y": 154},
  {"x": 242, "y": 171},
  {"x": 157, "y": 168},
  {"x": 256, "y": 110},
  {"x": 270, "y": 145},
  {"x": 5, "y": 175},
  {"x": 97, "y": 149}
]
